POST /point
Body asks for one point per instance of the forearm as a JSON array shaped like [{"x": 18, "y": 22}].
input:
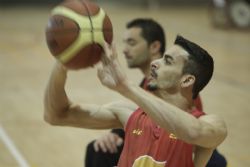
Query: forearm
[
  {"x": 168, "y": 116},
  {"x": 58, "y": 110},
  {"x": 56, "y": 102}
]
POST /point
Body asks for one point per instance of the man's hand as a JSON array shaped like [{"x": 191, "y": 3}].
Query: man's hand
[
  {"x": 111, "y": 74},
  {"x": 108, "y": 143}
]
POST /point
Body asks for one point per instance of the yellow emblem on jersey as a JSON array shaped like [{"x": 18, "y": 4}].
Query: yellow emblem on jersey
[
  {"x": 172, "y": 136},
  {"x": 148, "y": 161},
  {"x": 137, "y": 131}
]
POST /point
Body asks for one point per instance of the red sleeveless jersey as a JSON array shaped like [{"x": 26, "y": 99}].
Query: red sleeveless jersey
[{"x": 148, "y": 145}]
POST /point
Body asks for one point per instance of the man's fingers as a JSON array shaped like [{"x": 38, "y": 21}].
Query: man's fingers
[
  {"x": 112, "y": 142},
  {"x": 110, "y": 147},
  {"x": 102, "y": 146},
  {"x": 99, "y": 144},
  {"x": 100, "y": 72},
  {"x": 96, "y": 147},
  {"x": 119, "y": 141},
  {"x": 107, "y": 48},
  {"x": 106, "y": 56},
  {"x": 114, "y": 52},
  {"x": 108, "y": 143},
  {"x": 104, "y": 59}
]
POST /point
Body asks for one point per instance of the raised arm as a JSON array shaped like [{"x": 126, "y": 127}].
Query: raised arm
[
  {"x": 59, "y": 110},
  {"x": 208, "y": 131}
]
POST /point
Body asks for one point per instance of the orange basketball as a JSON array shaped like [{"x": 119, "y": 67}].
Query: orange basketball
[{"x": 76, "y": 32}]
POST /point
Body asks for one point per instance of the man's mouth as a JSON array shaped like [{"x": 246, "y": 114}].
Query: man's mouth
[
  {"x": 127, "y": 56},
  {"x": 153, "y": 74}
]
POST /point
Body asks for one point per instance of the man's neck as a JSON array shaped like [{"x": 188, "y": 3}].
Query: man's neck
[
  {"x": 175, "y": 99},
  {"x": 146, "y": 70}
]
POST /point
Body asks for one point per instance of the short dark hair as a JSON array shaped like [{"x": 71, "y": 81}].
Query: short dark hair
[
  {"x": 151, "y": 31},
  {"x": 199, "y": 63}
]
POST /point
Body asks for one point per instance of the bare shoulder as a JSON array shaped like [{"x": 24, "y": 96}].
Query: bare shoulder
[{"x": 121, "y": 109}]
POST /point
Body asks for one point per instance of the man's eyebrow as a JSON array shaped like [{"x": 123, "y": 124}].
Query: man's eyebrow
[
  {"x": 128, "y": 40},
  {"x": 166, "y": 56}
]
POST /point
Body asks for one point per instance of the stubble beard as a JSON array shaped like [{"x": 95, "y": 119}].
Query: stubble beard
[{"x": 152, "y": 87}]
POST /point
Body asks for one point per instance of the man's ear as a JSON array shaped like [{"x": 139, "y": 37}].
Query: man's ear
[
  {"x": 155, "y": 47},
  {"x": 187, "y": 80}
]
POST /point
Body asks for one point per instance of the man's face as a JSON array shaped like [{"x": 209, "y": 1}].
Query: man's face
[
  {"x": 166, "y": 72},
  {"x": 136, "y": 49}
]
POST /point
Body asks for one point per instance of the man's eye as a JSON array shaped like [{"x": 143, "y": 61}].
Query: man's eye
[
  {"x": 132, "y": 43},
  {"x": 167, "y": 61}
]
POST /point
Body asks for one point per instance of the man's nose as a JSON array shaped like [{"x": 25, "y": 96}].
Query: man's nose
[
  {"x": 154, "y": 65},
  {"x": 125, "y": 50}
]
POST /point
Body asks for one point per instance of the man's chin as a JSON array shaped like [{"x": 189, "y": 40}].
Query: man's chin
[
  {"x": 152, "y": 87},
  {"x": 132, "y": 66}
]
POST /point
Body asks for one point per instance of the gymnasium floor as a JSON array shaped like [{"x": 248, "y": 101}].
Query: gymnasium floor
[{"x": 25, "y": 64}]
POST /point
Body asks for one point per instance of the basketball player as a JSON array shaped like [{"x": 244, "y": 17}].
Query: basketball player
[
  {"x": 144, "y": 42},
  {"x": 162, "y": 127}
]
